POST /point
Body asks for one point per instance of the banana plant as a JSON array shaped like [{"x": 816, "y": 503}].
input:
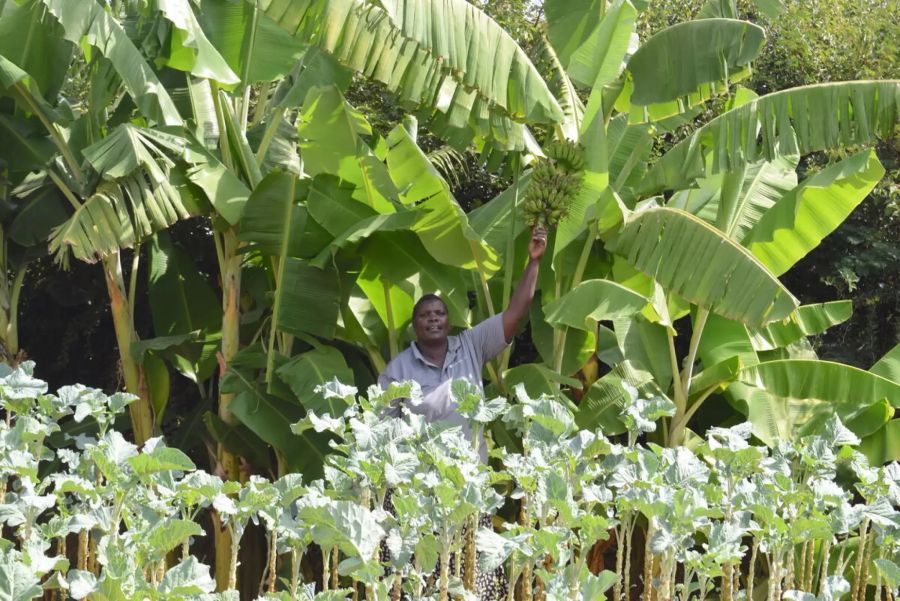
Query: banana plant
[{"x": 692, "y": 243}]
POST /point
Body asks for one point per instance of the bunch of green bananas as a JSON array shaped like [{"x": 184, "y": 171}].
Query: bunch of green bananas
[
  {"x": 568, "y": 155},
  {"x": 555, "y": 181}
]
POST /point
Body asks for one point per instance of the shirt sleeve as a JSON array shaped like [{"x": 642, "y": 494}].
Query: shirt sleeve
[{"x": 488, "y": 338}]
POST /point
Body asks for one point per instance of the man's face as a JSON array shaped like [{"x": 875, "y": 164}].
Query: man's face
[{"x": 430, "y": 322}]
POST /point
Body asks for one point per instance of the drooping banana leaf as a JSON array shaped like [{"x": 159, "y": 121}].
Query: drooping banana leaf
[
  {"x": 599, "y": 57},
  {"x": 89, "y": 22},
  {"x": 331, "y": 142},
  {"x": 492, "y": 220},
  {"x": 795, "y": 121},
  {"x": 646, "y": 345},
  {"x": 189, "y": 49},
  {"x": 315, "y": 68},
  {"x": 798, "y": 222},
  {"x": 790, "y": 396},
  {"x": 629, "y": 149},
  {"x": 805, "y": 321},
  {"x": 26, "y": 147},
  {"x": 43, "y": 208},
  {"x": 570, "y": 23},
  {"x": 687, "y": 57},
  {"x": 308, "y": 299},
  {"x": 697, "y": 262},
  {"x": 889, "y": 365},
  {"x": 139, "y": 198},
  {"x": 593, "y": 301},
  {"x": 445, "y": 55},
  {"x": 253, "y": 45},
  {"x": 442, "y": 226},
  {"x": 30, "y": 39},
  {"x": 562, "y": 88}
]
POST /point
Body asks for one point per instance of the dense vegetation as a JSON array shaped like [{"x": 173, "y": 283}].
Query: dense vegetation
[{"x": 236, "y": 205}]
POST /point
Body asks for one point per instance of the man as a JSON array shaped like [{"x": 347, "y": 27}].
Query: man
[{"x": 435, "y": 358}]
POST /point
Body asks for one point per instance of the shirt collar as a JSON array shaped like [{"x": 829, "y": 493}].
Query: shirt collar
[{"x": 452, "y": 346}]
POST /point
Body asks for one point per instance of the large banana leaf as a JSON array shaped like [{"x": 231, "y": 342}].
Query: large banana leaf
[
  {"x": 189, "y": 49},
  {"x": 697, "y": 262},
  {"x": 889, "y": 366},
  {"x": 795, "y": 121},
  {"x": 805, "y": 321},
  {"x": 693, "y": 58},
  {"x": 736, "y": 200},
  {"x": 26, "y": 147},
  {"x": 498, "y": 218},
  {"x": 182, "y": 303},
  {"x": 331, "y": 142},
  {"x": 797, "y": 223},
  {"x": 273, "y": 219},
  {"x": 308, "y": 370},
  {"x": 29, "y": 38},
  {"x": 791, "y": 395},
  {"x": 308, "y": 299},
  {"x": 722, "y": 339},
  {"x": 593, "y": 301},
  {"x": 884, "y": 445},
  {"x": 43, "y": 208},
  {"x": 598, "y": 58},
  {"x": 579, "y": 345},
  {"x": 442, "y": 225},
  {"x": 444, "y": 54},
  {"x": 538, "y": 379},
  {"x": 87, "y": 21},
  {"x": 646, "y": 345},
  {"x": 562, "y": 88},
  {"x": 139, "y": 198},
  {"x": 253, "y": 45}
]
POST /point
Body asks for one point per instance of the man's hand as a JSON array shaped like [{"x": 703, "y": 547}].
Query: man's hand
[{"x": 538, "y": 243}]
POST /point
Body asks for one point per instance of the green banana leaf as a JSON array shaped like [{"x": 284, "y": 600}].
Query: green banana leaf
[
  {"x": 269, "y": 417},
  {"x": 538, "y": 379},
  {"x": 695, "y": 58},
  {"x": 42, "y": 209},
  {"x": 722, "y": 339},
  {"x": 579, "y": 345},
  {"x": 87, "y": 21},
  {"x": 789, "y": 394},
  {"x": 646, "y": 345},
  {"x": 314, "y": 69},
  {"x": 183, "y": 302},
  {"x": 442, "y": 225},
  {"x": 29, "y": 39},
  {"x": 304, "y": 372},
  {"x": 696, "y": 261},
  {"x": 791, "y": 122},
  {"x": 735, "y": 201},
  {"x": 448, "y": 56},
  {"x": 889, "y": 365},
  {"x": 805, "y": 321},
  {"x": 273, "y": 220},
  {"x": 307, "y": 299},
  {"x": 331, "y": 142},
  {"x": 25, "y": 146},
  {"x": 189, "y": 49},
  {"x": 593, "y": 301},
  {"x": 253, "y": 46},
  {"x": 570, "y": 23},
  {"x": 499, "y": 218},
  {"x": 598, "y": 59},
  {"x": 798, "y": 222},
  {"x": 561, "y": 87},
  {"x": 629, "y": 150}
]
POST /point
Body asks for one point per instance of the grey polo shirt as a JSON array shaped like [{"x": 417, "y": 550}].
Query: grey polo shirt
[{"x": 466, "y": 355}]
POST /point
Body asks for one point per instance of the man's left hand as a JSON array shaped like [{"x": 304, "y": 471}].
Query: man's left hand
[{"x": 538, "y": 243}]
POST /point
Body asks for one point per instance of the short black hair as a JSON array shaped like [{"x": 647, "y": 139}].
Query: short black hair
[{"x": 426, "y": 298}]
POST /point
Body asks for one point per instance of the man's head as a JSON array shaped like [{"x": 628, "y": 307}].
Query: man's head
[{"x": 430, "y": 321}]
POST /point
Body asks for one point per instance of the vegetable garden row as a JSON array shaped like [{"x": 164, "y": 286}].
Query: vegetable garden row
[{"x": 100, "y": 518}]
